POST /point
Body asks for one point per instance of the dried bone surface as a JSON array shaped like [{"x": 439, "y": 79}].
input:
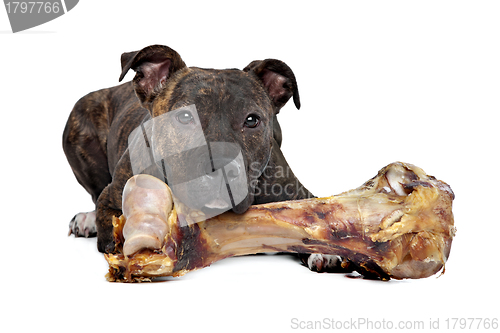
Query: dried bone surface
[{"x": 399, "y": 224}]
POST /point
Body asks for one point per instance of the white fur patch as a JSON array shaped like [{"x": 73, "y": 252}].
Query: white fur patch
[
  {"x": 83, "y": 224},
  {"x": 323, "y": 262}
]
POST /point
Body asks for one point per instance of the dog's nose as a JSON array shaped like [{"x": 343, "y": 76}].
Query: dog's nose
[{"x": 231, "y": 168}]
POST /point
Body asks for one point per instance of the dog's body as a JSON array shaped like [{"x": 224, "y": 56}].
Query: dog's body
[{"x": 234, "y": 106}]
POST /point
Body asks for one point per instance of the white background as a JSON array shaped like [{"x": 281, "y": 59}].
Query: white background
[{"x": 379, "y": 81}]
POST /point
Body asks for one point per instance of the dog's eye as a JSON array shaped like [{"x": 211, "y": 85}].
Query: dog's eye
[
  {"x": 252, "y": 121},
  {"x": 185, "y": 117}
]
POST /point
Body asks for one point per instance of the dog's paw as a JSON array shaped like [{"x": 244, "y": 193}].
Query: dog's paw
[
  {"x": 83, "y": 224},
  {"x": 323, "y": 262}
]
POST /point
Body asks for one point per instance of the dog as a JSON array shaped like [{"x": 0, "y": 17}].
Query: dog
[{"x": 235, "y": 112}]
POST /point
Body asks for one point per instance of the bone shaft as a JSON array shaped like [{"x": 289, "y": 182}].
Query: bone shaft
[{"x": 328, "y": 226}]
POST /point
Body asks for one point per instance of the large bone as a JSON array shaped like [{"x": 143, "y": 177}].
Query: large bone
[{"x": 398, "y": 224}]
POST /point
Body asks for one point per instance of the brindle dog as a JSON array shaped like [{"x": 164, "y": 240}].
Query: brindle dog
[{"x": 236, "y": 106}]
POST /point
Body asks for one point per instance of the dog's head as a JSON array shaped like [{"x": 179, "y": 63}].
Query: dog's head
[{"x": 211, "y": 131}]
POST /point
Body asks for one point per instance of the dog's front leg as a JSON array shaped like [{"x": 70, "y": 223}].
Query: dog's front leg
[
  {"x": 106, "y": 209},
  {"x": 109, "y": 204}
]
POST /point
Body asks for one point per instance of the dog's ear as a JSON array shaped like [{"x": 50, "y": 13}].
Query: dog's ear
[
  {"x": 153, "y": 66},
  {"x": 278, "y": 80}
]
